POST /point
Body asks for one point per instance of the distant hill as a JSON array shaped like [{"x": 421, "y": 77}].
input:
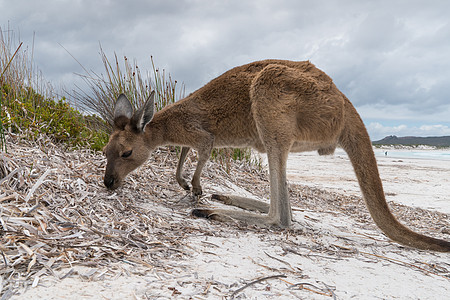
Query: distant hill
[{"x": 438, "y": 141}]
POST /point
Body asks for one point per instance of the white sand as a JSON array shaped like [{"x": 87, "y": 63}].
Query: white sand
[
  {"x": 418, "y": 182},
  {"x": 227, "y": 258}
]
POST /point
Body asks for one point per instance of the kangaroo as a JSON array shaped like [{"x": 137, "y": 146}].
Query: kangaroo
[{"x": 273, "y": 106}]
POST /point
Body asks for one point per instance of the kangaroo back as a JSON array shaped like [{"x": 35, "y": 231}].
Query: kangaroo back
[{"x": 356, "y": 142}]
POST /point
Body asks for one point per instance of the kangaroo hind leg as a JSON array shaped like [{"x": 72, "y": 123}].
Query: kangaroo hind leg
[
  {"x": 242, "y": 202},
  {"x": 277, "y": 213}
]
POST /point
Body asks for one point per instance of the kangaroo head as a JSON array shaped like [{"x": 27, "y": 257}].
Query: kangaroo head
[{"x": 127, "y": 149}]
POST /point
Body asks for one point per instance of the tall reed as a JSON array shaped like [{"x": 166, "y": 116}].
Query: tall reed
[
  {"x": 2, "y": 133},
  {"x": 123, "y": 77},
  {"x": 6, "y": 58}
]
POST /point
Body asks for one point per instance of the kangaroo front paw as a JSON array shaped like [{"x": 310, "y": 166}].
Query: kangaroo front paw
[
  {"x": 186, "y": 186},
  {"x": 197, "y": 191},
  {"x": 183, "y": 184}
]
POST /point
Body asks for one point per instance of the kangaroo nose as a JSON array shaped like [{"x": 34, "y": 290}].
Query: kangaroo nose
[{"x": 109, "y": 182}]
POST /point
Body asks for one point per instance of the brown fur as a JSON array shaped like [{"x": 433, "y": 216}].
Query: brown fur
[{"x": 273, "y": 106}]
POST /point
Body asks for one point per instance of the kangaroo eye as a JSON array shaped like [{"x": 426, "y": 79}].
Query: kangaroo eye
[{"x": 127, "y": 154}]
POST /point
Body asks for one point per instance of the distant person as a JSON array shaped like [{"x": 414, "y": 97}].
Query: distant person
[{"x": 385, "y": 153}]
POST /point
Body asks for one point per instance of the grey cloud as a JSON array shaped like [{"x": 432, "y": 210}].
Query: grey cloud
[
  {"x": 379, "y": 61},
  {"x": 379, "y": 53}
]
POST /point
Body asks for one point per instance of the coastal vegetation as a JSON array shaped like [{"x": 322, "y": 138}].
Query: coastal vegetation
[{"x": 30, "y": 106}]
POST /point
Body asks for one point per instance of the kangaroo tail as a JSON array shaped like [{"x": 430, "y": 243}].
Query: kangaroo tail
[{"x": 356, "y": 142}]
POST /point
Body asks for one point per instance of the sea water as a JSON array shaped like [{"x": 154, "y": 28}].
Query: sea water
[{"x": 415, "y": 154}]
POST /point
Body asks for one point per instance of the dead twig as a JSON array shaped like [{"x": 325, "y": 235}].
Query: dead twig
[
  {"x": 255, "y": 282},
  {"x": 317, "y": 290}
]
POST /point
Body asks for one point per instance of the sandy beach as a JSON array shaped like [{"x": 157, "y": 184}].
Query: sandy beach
[
  {"x": 413, "y": 177},
  {"x": 142, "y": 242}
]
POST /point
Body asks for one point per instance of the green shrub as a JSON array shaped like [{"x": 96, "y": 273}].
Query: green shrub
[
  {"x": 2, "y": 132},
  {"x": 28, "y": 106},
  {"x": 32, "y": 115}
]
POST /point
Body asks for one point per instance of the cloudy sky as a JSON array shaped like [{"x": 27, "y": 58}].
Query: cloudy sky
[{"x": 391, "y": 58}]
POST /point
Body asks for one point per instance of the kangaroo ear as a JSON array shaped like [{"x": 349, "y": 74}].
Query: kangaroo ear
[
  {"x": 123, "y": 107},
  {"x": 122, "y": 112},
  {"x": 145, "y": 114}
]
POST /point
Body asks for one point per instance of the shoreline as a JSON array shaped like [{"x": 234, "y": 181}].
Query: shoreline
[{"x": 420, "y": 152}]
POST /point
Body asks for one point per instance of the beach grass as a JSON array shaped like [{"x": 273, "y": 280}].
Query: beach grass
[{"x": 124, "y": 76}]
